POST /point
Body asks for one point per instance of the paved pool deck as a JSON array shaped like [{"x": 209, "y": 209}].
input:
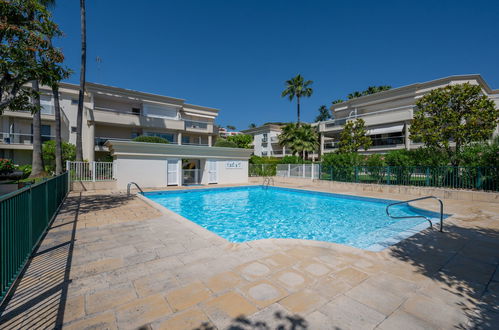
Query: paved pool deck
[{"x": 110, "y": 261}]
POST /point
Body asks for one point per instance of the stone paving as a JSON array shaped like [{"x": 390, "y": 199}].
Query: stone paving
[{"x": 110, "y": 262}]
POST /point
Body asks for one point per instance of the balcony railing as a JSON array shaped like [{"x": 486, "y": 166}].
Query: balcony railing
[
  {"x": 23, "y": 139},
  {"x": 100, "y": 141},
  {"x": 342, "y": 121}
]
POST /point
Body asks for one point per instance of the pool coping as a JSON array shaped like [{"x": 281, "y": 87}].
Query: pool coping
[{"x": 376, "y": 247}]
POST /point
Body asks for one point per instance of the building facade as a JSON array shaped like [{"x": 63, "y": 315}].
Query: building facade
[
  {"x": 109, "y": 113},
  {"x": 388, "y": 115},
  {"x": 266, "y": 141}
]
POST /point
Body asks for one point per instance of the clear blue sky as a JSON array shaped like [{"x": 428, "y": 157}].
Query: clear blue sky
[{"x": 235, "y": 55}]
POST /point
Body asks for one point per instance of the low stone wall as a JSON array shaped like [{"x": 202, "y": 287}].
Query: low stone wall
[
  {"x": 335, "y": 186},
  {"x": 89, "y": 186}
]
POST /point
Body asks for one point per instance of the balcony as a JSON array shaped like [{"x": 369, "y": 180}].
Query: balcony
[
  {"x": 100, "y": 143},
  {"x": 20, "y": 141},
  {"x": 121, "y": 118},
  {"x": 198, "y": 126}
]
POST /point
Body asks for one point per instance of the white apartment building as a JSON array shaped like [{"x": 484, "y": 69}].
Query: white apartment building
[
  {"x": 388, "y": 114},
  {"x": 266, "y": 141},
  {"x": 109, "y": 113}
]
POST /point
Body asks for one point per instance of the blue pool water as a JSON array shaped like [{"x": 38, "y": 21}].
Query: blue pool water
[{"x": 243, "y": 214}]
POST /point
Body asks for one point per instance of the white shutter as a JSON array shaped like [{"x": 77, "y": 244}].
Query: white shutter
[
  {"x": 212, "y": 171},
  {"x": 172, "y": 172}
]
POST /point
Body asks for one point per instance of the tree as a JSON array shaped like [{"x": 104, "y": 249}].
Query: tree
[
  {"x": 252, "y": 125},
  {"x": 323, "y": 114},
  {"x": 353, "y": 137},
  {"x": 297, "y": 87},
  {"x": 81, "y": 94},
  {"x": 241, "y": 140},
  {"x": 50, "y": 154},
  {"x": 457, "y": 113},
  {"x": 354, "y": 95},
  {"x": 25, "y": 32},
  {"x": 370, "y": 90},
  {"x": 224, "y": 143},
  {"x": 230, "y": 127},
  {"x": 337, "y": 101},
  {"x": 299, "y": 138}
]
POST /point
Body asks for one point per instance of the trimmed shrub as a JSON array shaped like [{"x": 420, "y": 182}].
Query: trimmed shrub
[
  {"x": 150, "y": 139},
  {"x": 48, "y": 148},
  {"x": 225, "y": 144},
  {"x": 6, "y": 166}
]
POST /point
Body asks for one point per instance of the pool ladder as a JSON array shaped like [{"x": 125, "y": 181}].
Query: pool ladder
[
  {"x": 419, "y": 216},
  {"x": 128, "y": 188},
  {"x": 267, "y": 181}
]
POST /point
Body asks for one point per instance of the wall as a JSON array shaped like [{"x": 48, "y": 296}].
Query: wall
[
  {"x": 146, "y": 172},
  {"x": 232, "y": 175}
]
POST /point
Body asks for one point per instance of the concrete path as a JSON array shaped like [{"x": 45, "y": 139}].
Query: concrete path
[{"x": 110, "y": 262}]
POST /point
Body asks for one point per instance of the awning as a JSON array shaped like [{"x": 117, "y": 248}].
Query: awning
[{"x": 386, "y": 130}]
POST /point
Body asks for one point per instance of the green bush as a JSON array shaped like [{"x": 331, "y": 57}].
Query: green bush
[
  {"x": 26, "y": 170},
  {"x": 263, "y": 160},
  {"x": 48, "y": 149},
  {"x": 293, "y": 160},
  {"x": 340, "y": 166},
  {"x": 400, "y": 157},
  {"x": 375, "y": 160},
  {"x": 429, "y": 157},
  {"x": 241, "y": 140},
  {"x": 6, "y": 166},
  {"x": 150, "y": 139},
  {"x": 225, "y": 144}
]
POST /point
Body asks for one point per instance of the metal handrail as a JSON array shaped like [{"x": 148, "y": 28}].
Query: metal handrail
[
  {"x": 419, "y": 216},
  {"x": 128, "y": 188}
]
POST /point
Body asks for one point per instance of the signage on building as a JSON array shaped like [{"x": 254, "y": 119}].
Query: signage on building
[{"x": 234, "y": 164}]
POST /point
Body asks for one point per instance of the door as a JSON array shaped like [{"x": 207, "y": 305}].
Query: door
[
  {"x": 172, "y": 172},
  {"x": 212, "y": 171}
]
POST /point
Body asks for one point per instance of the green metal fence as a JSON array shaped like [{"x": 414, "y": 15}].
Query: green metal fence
[
  {"x": 480, "y": 178},
  {"x": 25, "y": 217}
]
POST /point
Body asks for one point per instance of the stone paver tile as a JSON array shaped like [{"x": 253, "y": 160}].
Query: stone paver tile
[
  {"x": 155, "y": 283},
  {"x": 402, "y": 320},
  {"x": 253, "y": 270},
  {"x": 101, "y": 321},
  {"x": 394, "y": 284},
  {"x": 426, "y": 309},
  {"x": 274, "y": 316},
  {"x": 330, "y": 287},
  {"x": 279, "y": 261},
  {"x": 103, "y": 300},
  {"x": 226, "y": 307},
  {"x": 292, "y": 280},
  {"x": 469, "y": 270},
  {"x": 190, "y": 319},
  {"x": 74, "y": 308},
  {"x": 263, "y": 293},
  {"x": 312, "y": 268},
  {"x": 224, "y": 281},
  {"x": 378, "y": 299},
  {"x": 317, "y": 320},
  {"x": 346, "y": 313},
  {"x": 96, "y": 267},
  {"x": 350, "y": 275},
  {"x": 188, "y": 296},
  {"x": 303, "y": 302},
  {"x": 142, "y": 311}
]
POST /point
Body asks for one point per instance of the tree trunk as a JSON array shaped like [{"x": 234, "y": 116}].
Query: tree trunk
[
  {"x": 37, "y": 169},
  {"x": 298, "y": 110},
  {"x": 58, "y": 138},
  {"x": 79, "y": 118}
]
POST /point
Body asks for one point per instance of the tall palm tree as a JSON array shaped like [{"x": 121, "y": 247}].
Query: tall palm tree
[
  {"x": 37, "y": 168},
  {"x": 79, "y": 115},
  {"x": 299, "y": 139},
  {"x": 297, "y": 87},
  {"x": 58, "y": 137},
  {"x": 323, "y": 114},
  {"x": 354, "y": 95}
]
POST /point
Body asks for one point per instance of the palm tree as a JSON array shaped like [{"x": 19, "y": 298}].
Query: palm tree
[
  {"x": 252, "y": 125},
  {"x": 79, "y": 115},
  {"x": 323, "y": 114},
  {"x": 354, "y": 95},
  {"x": 232, "y": 128},
  {"x": 299, "y": 139},
  {"x": 297, "y": 87},
  {"x": 37, "y": 168},
  {"x": 58, "y": 138}
]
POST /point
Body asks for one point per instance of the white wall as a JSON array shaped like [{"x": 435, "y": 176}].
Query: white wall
[{"x": 232, "y": 175}]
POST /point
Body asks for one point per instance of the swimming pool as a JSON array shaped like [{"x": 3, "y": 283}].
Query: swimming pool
[{"x": 241, "y": 214}]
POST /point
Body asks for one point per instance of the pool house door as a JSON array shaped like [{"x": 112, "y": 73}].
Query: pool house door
[
  {"x": 212, "y": 171},
  {"x": 172, "y": 172}
]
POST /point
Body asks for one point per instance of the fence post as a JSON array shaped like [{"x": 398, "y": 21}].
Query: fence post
[
  {"x": 356, "y": 174},
  {"x": 93, "y": 171},
  {"x": 331, "y": 177},
  {"x": 312, "y": 172},
  {"x": 388, "y": 175},
  {"x": 427, "y": 176},
  {"x": 479, "y": 178},
  {"x": 289, "y": 170}
]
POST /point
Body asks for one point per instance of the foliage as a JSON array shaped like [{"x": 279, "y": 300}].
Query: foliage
[
  {"x": 26, "y": 52},
  {"x": 293, "y": 160},
  {"x": 299, "y": 138},
  {"x": 370, "y": 90},
  {"x": 458, "y": 113},
  {"x": 6, "y": 165},
  {"x": 428, "y": 157},
  {"x": 375, "y": 160},
  {"x": 324, "y": 114},
  {"x": 230, "y": 127},
  {"x": 341, "y": 165},
  {"x": 241, "y": 140},
  {"x": 337, "y": 101},
  {"x": 252, "y": 125},
  {"x": 26, "y": 170},
  {"x": 150, "y": 139},
  {"x": 400, "y": 157},
  {"x": 68, "y": 153},
  {"x": 297, "y": 87},
  {"x": 225, "y": 143},
  {"x": 353, "y": 137},
  {"x": 264, "y": 160}
]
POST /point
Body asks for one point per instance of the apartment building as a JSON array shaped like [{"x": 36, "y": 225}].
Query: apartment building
[
  {"x": 266, "y": 141},
  {"x": 109, "y": 113},
  {"x": 388, "y": 114}
]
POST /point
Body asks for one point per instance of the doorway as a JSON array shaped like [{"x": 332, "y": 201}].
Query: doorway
[{"x": 191, "y": 172}]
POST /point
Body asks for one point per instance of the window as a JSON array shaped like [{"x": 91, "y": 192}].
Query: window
[
  {"x": 265, "y": 138},
  {"x": 45, "y": 131},
  {"x": 136, "y": 111},
  {"x": 73, "y": 129},
  {"x": 186, "y": 139},
  {"x": 74, "y": 101},
  {"x": 47, "y": 105},
  {"x": 159, "y": 111}
]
